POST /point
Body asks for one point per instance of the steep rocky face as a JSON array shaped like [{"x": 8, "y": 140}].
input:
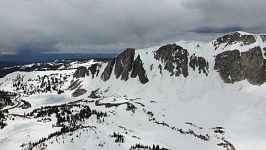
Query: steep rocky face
[
  {"x": 94, "y": 69},
  {"x": 229, "y": 65},
  {"x": 234, "y": 66},
  {"x": 108, "y": 70},
  {"x": 123, "y": 64},
  {"x": 230, "y": 39},
  {"x": 175, "y": 59},
  {"x": 254, "y": 66},
  {"x": 138, "y": 70},
  {"x": 200, "y": 63},
  {"x": 81, "y": 72},
  {"x": 263, "y": 38}
]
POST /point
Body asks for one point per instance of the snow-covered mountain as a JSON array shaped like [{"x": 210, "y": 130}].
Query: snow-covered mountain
[{"x": 185, "y": 95}]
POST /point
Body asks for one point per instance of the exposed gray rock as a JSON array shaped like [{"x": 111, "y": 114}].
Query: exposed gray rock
[
  {"x": 173, "y": 55},
  {"x": 263, "y": 38},
  {"x": 94, "y": 94},
  {"x": 200, "y": 63},
  {"x": 108, "y": 70},
  {"x": 123, "y": 64},
  {"x": 81, "y": 72},
  {"x": 79, "y": 92},
  {"x": 230, "y": 39},
  {"x": 94, "y": 69},
  {"x": 229, "y": 65},
  {"x": 233, "y": 66},
  {"x": 138, "y": 70},
  {"x": 254, "y": 66}
]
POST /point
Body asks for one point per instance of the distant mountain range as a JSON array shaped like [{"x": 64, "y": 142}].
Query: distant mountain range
[{"x": 44, "y": 57}]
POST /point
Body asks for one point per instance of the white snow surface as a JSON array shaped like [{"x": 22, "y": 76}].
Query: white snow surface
[{"x": 204, "y": 101}]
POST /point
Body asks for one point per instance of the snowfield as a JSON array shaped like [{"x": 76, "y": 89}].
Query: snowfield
[{"x": 194, "y": 112}]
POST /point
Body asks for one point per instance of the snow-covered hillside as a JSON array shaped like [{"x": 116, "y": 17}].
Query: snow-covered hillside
[{"x": 186, "y": 95}]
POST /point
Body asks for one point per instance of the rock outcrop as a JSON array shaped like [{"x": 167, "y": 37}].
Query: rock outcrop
[
  {"x": 94, "y": 69},
  {"x": 123, "y": 64},
  {"x": 175, "y": 59},
  {"x": 234, "y": 66},
  {"x": 138, "y": 70},
  {"x": 81, "y": 72},
  {"x": 230, "y": 66},
  {"x": 233, "y": 38},
  {"x": 200, "y": 63},
  {"x": 263, "y": 38},
  {"x": 108, "y": 70}
]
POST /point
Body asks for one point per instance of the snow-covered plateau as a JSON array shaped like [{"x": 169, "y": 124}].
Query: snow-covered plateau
[{"x": 180, "y": 96}]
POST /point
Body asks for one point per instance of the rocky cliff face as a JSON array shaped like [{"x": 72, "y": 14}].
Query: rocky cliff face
[
  {"x": 200, "y": 63},
  {"x": 124, "y": 63},
  {"x": 94, "y": 69},
  {"x": 263, "y": 38},
  {"x": 139, "y": 71},
  {"x": 176, "y": 62},
  {"x": 175, "y": 59},
  {"x": 233, "y": 38},
  {"x": 234, "y": 66},
  {"x": 81, "y": 72},
  {"x": 108, "y": 70}
]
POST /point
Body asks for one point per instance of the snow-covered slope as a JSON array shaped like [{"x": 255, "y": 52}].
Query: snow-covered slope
[{"x": 146, "y": 97}]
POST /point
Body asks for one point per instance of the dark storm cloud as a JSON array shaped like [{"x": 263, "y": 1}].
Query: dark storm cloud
[
  {"x": 217, "y": 30},
  {"x": 30, "y": 26}
]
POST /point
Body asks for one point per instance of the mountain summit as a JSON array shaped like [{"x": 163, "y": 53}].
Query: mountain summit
[{"x": 183, "y": 95}]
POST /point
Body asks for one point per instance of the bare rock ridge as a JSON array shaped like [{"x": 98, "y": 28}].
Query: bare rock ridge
[
  {"x": 200, "y": 63},
  {"x": 234, "y": 66},
  {"x": 108, "y": 70},
  {"x": 138, "y": 70},
  {"x": 233, "y": 38},
  {"x": 173, "y": 55},
  {"x": 123, "y": 64},
  {"x": 176, "y": 57},
  {"x": 81, "y": 72},
  {"x": 263, "y": 38},
  {"x": 94, "y": 69}
]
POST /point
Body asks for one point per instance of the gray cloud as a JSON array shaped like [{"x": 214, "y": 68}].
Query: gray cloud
[{"x": 29, "y": 26}]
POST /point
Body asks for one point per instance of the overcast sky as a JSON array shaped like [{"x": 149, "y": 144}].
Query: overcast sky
[{"x": 28, "y": 26}]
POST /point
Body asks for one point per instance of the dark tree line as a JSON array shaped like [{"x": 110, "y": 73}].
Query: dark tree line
[
  {"x": 46, "y": 83},
  {"x": 139, "y": 146}
]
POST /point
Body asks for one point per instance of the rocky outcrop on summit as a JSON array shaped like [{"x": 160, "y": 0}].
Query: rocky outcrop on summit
[
  {"x": 124, "y": 63},
  {"x": 234, "y": 66},
  {"x": 138, "y": 70},
  {"x": 175, "y": 59},
  {"x": 200, "y": 63},
  {"x": 233, "y": 38},
  {"x": 81, "y": 72}
]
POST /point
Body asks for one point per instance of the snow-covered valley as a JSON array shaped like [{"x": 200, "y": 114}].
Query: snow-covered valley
[{"x": 158, "y": 101}]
